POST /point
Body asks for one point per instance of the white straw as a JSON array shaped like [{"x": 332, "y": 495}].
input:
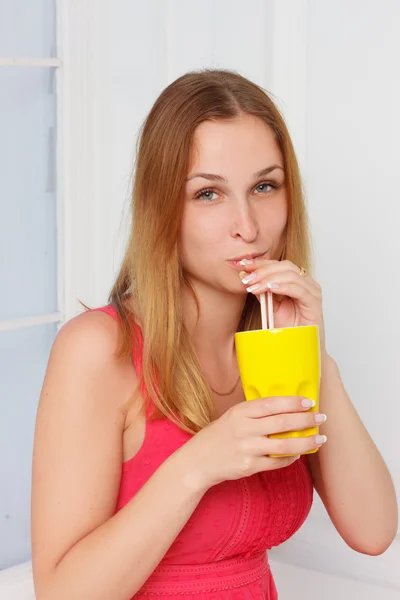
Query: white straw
[
  {"x": 263, "y": 312},
  {"x": 270, "y": 310}
]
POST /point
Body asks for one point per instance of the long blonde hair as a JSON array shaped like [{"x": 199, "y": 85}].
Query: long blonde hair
[{"x": 150, "y": 274}]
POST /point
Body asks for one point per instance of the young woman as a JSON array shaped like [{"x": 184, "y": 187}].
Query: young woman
[{"x": 151, "y": 473}]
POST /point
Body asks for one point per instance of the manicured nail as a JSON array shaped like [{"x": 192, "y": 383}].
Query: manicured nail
[
  {"x": 249, "y": 278},
  {"x": 246, "y": 261},
  {"x": 320, "y": 418},
  {"x": 273, "y": 286},
  {"x": 307, "y": 403},
  {"x": 320, "y": 439},
  {"x": 253, "y": 288}
]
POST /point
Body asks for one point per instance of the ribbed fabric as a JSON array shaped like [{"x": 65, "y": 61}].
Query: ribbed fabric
[{"x": 220, "y": 554}]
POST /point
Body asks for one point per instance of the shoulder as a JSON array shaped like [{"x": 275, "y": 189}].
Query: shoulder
[
  {"x": 91, "y": 335},
  {"x": 85, "y": 349}
]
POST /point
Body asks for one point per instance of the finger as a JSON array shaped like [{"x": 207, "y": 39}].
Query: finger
[
  {"x": 264, "y": 267},
  {"x": 274, "y": 405},
  {"x": 285, "y": 273},
  {"x": 282, "y": 281},
  {"x": 285, "y": 265},
  {"x": 261, "y": 268},
  {"x": 287, "y": 422},
  {"x": 293, "y": 446}
]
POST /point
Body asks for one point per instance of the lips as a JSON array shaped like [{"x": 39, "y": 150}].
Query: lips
[
  {"x": 235, "y": 262},
  {"x": 248, "y": 256}
]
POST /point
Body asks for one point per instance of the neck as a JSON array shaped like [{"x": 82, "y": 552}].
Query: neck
[{"x": 212, "y": 333}]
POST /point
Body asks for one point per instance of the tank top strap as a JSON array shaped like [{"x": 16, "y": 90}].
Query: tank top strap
[
  {"x": 109, "y": 309},
  {"x": 137, "y": 351}
]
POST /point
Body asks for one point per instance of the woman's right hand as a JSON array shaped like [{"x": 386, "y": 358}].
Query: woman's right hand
[{"x": 237, "y": 445}]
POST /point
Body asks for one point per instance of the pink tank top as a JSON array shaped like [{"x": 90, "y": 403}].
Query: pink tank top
[{"x": 220, "y": 554}]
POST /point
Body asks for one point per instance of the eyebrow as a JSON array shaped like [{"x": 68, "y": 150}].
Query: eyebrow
[{"x": 214, "y": 177}]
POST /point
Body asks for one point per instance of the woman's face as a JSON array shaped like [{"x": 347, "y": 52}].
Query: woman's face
[{"x": 235, "y": 201}]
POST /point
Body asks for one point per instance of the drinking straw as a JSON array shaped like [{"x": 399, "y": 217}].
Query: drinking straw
[
  {"x": 264, "y": 311},
  {"x": 271, "y": 310}
]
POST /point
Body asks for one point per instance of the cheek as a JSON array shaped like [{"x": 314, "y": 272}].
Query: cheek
[
  {"x": 273, "y": 218},
  {"x": 281, "y": 220},
  {"x": 199, "y": 237}
]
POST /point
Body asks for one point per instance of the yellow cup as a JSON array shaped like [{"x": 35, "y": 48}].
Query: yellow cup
[{"x": 281, "y": 362}]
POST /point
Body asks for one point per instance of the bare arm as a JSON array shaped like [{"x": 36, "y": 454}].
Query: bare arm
[
  {"x": 80, "y": 548},
  {"x": 349, "y": 473}
]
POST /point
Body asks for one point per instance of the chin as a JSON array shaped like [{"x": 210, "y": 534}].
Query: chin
[{"x": 236, "y": 289}]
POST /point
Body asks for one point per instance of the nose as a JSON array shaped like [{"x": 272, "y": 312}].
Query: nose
[{"x": 244, "y": 223}]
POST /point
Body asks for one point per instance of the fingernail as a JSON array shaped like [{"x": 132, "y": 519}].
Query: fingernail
[
  {"x": 249, "y": 278},
  {"x": 320, "y": 418},
  {"x": 246, "y": 261},
  {"x": 253, "y": 288},
  {"x": 273, "y": 286},
  {"x": 307, "y": 403},
  {"x": 320, "y": 439},
  {"x": 242, "y": 274}
]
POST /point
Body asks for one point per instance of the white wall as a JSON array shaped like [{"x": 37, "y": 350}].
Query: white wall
[{"x": 332, "y": 64}]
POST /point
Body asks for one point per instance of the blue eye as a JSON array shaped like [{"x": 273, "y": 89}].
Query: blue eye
[
  {"x": 202, "y": 194},
  {"x": 267, "y": 184}
]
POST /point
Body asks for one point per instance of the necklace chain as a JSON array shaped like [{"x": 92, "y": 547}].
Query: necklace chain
[{"x": 226, "y": 393}]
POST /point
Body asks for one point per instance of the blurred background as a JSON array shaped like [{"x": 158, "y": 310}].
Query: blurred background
[{"x": 77, "y": 78}]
